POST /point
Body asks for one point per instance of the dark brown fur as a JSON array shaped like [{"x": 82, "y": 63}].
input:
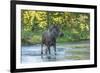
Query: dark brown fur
[{"x": 49, "y": 38}]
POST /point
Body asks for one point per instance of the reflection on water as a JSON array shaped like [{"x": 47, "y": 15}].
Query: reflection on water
[{"x": 80, "y": 51}]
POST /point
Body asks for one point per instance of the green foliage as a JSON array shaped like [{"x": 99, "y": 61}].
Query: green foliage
[{"x": 76, "y": 26}]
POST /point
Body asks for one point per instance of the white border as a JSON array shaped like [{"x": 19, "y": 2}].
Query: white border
[{"x": 51, "y": 64}]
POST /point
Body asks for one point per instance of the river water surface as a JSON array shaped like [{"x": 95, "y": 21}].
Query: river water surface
[{"x": 64, "y": 52}]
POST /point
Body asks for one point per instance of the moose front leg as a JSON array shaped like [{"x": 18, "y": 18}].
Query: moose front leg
[
  {"x": 49, "y": 50},
  {"x": 55, "y": 48}
]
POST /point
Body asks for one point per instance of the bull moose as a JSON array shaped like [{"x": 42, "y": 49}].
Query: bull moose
[{"x": 49, "y": 38}]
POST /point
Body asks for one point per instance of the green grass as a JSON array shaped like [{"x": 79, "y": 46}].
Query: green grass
[
  {"x": 29, "y": 38},
  {"x": 36, "y": 39}
]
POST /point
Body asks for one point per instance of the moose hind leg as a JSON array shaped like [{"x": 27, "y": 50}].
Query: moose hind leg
[
  {"x": 46, "y": 50},
  {"x": 42, "y": 50}
]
